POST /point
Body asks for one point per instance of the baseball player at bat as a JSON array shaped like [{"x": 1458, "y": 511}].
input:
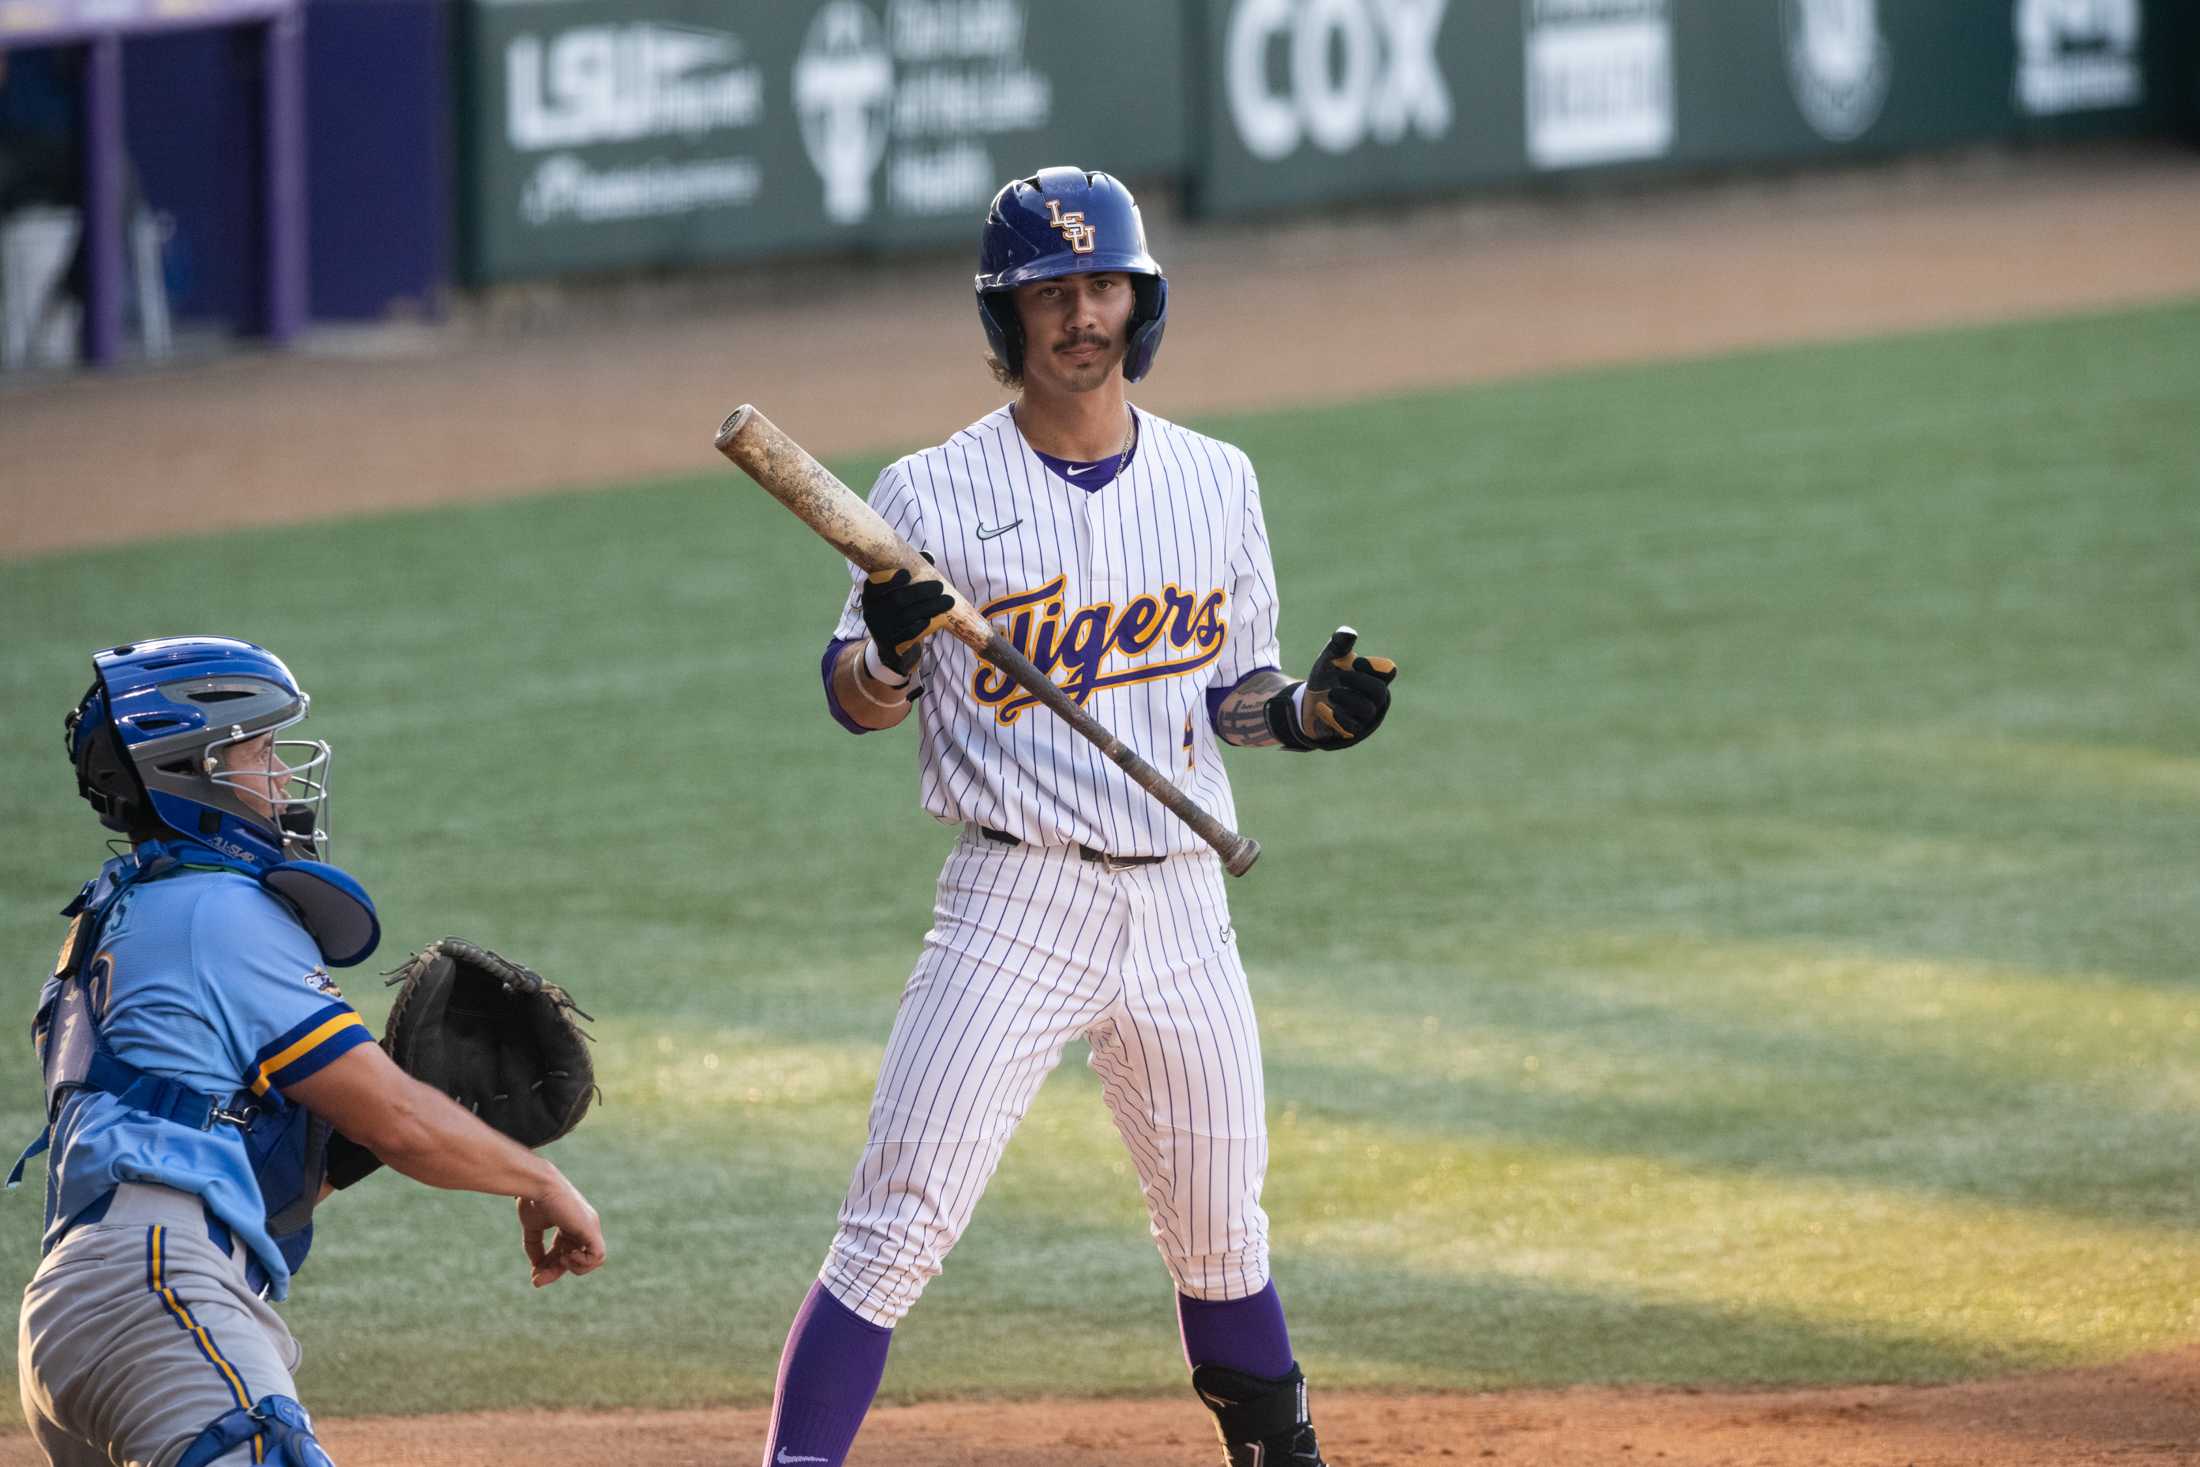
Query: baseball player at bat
[
  {"x": 1127, "y": 558},
  {"x": 207, "y": 1085}
]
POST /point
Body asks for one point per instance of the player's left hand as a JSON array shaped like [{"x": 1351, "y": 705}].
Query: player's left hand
[{"x": 1345, "y": 701}]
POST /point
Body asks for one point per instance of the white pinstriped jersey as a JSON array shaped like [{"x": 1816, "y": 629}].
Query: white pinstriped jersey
[{"x": 1147, "y": 599}]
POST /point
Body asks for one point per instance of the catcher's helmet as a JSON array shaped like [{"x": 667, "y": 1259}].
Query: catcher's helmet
[
  {"x": 1065, "y": 221},
  {"x": 147, "y": 741}
]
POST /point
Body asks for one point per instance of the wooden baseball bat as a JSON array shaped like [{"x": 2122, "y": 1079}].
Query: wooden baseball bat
[{"x": 787, "y": 472}]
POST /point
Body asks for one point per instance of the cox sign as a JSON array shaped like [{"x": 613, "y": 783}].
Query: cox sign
[{"x": 1352, "y": 70}]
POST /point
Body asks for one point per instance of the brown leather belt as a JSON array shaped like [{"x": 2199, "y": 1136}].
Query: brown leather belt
[{"x": 1113, "y": 863}]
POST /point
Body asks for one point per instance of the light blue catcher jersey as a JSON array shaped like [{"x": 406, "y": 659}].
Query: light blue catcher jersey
[{"x": 205, "y": 977}]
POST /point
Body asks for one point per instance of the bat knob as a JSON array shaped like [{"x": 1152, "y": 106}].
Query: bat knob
[
  {"x": 732, "y": 425},
  {"x": 1242, "y": 856}
]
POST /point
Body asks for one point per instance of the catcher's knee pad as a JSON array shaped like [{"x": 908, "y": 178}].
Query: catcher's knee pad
[{"x": 282, "y": 1425}]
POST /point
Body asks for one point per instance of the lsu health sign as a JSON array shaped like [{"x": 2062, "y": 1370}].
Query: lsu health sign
[
  {"x": 622, "y": 122},
  {"x": 623, "y": 133}
]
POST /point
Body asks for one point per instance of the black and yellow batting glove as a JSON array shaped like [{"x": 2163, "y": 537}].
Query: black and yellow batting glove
[
  {"x": 900, "y": 613},
  {"x": 1346, "y": 698}
]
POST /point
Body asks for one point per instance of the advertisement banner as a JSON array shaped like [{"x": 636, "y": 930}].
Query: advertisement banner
[
  {"x": 2082, "y": 57},
  {"x": 616, "y": 134},
  {"x": 1300, "y": 102},
  {"x": 1307, "y": 100},
  {"x": 621, "y": 133},
  {"x": 1600, "y": 81}
]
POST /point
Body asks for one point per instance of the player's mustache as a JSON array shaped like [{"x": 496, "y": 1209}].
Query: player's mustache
[{"x": 1083, "y": 338}]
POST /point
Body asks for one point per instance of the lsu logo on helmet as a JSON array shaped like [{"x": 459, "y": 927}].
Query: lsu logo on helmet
[{"x": 1080, "y": 235}]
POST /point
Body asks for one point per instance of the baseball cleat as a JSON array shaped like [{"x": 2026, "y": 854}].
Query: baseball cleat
[{"x": 1262, "y": 1420}]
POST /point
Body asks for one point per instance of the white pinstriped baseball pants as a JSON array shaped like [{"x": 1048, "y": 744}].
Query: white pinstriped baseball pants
[{"x": 1030, "y": 948}]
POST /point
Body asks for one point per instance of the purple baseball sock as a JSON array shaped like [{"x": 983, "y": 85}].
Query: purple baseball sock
[
  {"x": 1239, "y": 1334},
  {"x": 828, "y": 1374}
]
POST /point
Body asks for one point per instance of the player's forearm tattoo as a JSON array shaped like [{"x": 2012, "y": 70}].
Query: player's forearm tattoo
[{"x": 1243, "y": 717}]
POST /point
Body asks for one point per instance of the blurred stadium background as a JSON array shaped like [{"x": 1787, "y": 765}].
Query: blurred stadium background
[{"x": 1766, "y": 431}]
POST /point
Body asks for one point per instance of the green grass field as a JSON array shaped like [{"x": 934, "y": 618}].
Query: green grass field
[{"x": 1760, "y": 948}]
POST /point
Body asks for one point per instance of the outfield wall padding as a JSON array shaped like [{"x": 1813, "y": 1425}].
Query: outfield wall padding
[
  {"x": 624, "y": 134},
  {"x": 1317, "y": 101}
]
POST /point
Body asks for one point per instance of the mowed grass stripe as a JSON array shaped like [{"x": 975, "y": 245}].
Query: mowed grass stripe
[{"x": 1758, "y": 948}]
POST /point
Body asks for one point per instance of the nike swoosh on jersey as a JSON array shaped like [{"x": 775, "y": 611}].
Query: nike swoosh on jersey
[
  {"x": 1073, "y": 473},
  {"x": 986, "y": 534}
]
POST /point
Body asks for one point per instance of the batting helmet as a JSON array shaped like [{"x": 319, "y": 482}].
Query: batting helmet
[
  {"x": 1065, "y": 221},
  {"x": 148, "y": 735}
]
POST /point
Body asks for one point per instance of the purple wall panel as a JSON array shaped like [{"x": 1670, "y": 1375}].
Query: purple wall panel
[
  {"x": 378, "y": 155},
  {"x": 189, "y": 122},
  {"x": 377, "y": 166}
]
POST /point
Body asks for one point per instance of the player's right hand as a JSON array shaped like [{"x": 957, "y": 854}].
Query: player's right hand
[
  {"x": 578, "y": 1247},
  {"x": 900, "y": 613}
]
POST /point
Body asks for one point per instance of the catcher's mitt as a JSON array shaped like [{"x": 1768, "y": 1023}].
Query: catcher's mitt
[{"x": 494, "y": 1037}]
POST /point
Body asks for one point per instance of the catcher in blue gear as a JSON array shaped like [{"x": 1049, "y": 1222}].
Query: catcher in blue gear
[{"x": 207, "y": 1083}]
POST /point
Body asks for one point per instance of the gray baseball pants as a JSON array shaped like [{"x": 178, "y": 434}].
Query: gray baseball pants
[{"x": 137, "y": 1332}]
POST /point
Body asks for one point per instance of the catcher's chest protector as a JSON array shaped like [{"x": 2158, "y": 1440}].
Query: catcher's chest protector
[{"x": 283, "y": 1144}]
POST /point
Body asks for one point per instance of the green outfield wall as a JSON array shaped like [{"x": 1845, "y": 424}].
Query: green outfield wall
[
  {"x": 616, "y": 134},
  {"x": 1314, "y": 101},
  {"x": 604, "y": 134}
]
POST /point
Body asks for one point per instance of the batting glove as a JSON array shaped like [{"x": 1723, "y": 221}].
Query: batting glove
[
  {"x": 1341, "y": 703},
  {"x": 900, "y": 613}
]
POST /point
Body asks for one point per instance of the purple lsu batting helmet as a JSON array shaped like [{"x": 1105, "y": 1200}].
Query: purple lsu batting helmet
[{"x": 1066, "y": 221}]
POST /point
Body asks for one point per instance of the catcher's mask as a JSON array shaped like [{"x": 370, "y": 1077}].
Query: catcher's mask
[
  {"x": 1065, "y": 221},
  {"x": 165, "y": 737}
]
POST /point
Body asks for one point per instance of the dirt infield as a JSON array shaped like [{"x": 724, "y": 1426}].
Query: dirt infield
[
  {"x": 2145, "y": 1413},
  {"x": 603, "y": 386}
]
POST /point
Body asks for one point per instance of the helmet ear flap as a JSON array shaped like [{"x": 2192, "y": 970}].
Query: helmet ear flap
[
  {"x": 1149, "y": 317},
  {"x": 1004, "y": 329},
  {"x": 108, "y": 780}
]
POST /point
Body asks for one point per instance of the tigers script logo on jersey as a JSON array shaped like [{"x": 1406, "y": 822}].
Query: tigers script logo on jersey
[
  {"x": 1081, "y": 236},
  {"x": 1044, "y": 630}
]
